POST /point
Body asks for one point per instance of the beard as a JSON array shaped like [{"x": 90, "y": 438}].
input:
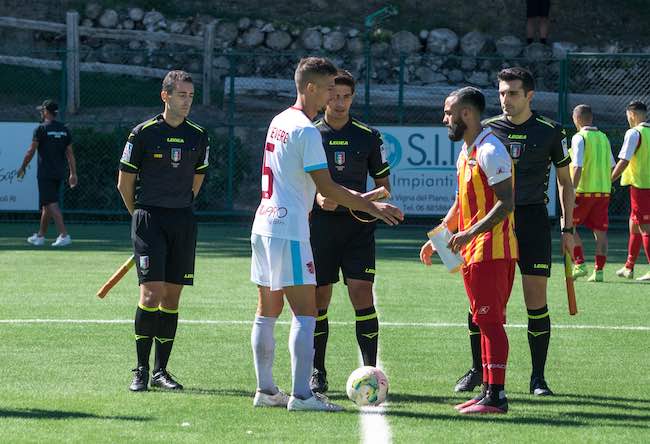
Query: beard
[{"x": 456, "y": 130}]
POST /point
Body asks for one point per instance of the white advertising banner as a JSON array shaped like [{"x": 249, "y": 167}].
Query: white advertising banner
[
  {"x": 423, "y": 169},
  {"x": 15, "y": 194}
]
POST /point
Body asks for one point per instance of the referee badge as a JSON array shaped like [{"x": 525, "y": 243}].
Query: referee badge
[
  {"x": 339, "y": 160},
  {"x": 176, "y": 156},
  {"x": 515, "y": 150}
]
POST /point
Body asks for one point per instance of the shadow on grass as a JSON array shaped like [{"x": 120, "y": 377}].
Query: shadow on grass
[
  {"x": 587, "y": 398},
  {"x": 401, "y": 406},
  {"x": 61, "y": 414}
]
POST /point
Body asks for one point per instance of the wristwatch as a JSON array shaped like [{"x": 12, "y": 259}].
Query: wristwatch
[{"x": 570, "y": 230}]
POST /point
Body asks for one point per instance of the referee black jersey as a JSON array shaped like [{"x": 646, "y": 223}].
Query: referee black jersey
[
  {"x": 165, "y": 159},
  {"x": 533, "y": 145},
  {"x": 353, "y": 152}
]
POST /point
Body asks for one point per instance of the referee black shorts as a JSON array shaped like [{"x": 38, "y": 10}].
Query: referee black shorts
[
  {"x": 48, "y": 191},
  {"x": 533, "y": 230},
  {"x": 340, "y": 242},
  {"x": 537, "y": 8},
  {"x": 164, "y": 244}
]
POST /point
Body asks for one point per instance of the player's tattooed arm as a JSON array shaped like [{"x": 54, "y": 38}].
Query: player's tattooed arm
[{"x": 505, "y": 205}]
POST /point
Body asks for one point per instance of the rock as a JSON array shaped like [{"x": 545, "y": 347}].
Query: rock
[
  {"x": 311, "y": 39},
  {"x": 473, "y": 43},
  {"x": 252, "y": 37},
  {"x": 135, "y": 45},
  {"x": 561, "y": 49},
  {"x": 509, "y": 46},
  {"x": 378, "y": 49},
  {"x": 87, "y": 22},
  {"x": 537, "y": 51},
  {"x": 111, "y": 53},
  {"x": 325, "y": 30},
  {"x": 478, "y": 78},
  {"x": 227, "y": 32},
  {"x": 405, "y": 42},
  {"x": 610, "y": 48},
  {"x": 108, "y": 19},
  {"x": 354, "y": 45},
  {"x": 152, "y": 18},
  {"x": 268, "y": 28},
  {"x": 320, "y": 4},
  {"x": 259, "y": 23},
  {"x": 424, "y": 34},
  {"x": 221, "y": 62},
  {"x": 334, "y": 41},
  {"x": 244, "y": 23},
  {"x": 278, "y": 40},
  {"x": 136, "y": 59},
  {"x": 177, "y": 26},
  {"x": 442, "y": 41},
  {"x": 428, "y": 75},
  {"x": 136, "y": 14},
  {"x": 352, "y": 33},
  {"x": 93, "y": 10},
  {"x": 467, "y": 64},
  {"x": 589, "y": 48},
  {"x": 128, "y": 24},
  {"x": 455, "y": 76}
]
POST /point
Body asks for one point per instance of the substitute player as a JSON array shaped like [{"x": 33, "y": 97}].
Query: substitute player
[
  {"x": 161, "y": 172},
  {"x": 534, "y": 143},
  {"x": 340, "y": 240},
  {"x": 634, "y": 167},
  {"x": 482, "y": 215},
  {"x": 282, "y": 263},
  {"x": 591, "y": 162}
]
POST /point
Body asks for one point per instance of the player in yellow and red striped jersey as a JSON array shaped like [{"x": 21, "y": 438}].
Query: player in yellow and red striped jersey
[{"x": 482, "y": 215}]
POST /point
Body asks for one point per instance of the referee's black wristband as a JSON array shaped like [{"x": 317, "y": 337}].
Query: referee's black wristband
[{"x": 570, "y": 230}]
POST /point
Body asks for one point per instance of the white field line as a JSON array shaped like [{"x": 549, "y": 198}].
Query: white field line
[
  {"x": 374, "y": 424},
  {"x": 248, "y": 322}
]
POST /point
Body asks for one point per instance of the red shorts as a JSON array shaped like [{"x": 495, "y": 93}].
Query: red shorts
[
  {"x": 591, "y": 210},
  {"x": 488, "y": 285},
  {"x": 640, "y": 205}
]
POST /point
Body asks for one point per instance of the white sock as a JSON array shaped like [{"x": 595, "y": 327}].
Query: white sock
[
  {"x": 301, "y": 347},
  {"x": 263, "y": 344}
]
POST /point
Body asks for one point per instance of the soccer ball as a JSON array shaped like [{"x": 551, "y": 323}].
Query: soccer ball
[{"x": 367, "y": 386}]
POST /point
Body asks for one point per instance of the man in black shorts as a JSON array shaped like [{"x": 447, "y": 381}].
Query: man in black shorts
[
  {"x": 339, "y": 239},
  {"x": 53, "y": 142},
  {"x": 537, "y": 11},
  {"x": 161, "y": 171},
  {"x": 534, "y": 143}
]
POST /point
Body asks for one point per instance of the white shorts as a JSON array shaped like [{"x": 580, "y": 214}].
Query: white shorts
[{"x": 279, "y": 263}]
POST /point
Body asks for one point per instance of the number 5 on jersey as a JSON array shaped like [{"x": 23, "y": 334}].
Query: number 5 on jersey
[{"x": 267, "y": 173}]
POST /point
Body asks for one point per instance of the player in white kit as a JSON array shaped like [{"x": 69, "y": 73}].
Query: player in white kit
[{"x": 294, "y": 167}]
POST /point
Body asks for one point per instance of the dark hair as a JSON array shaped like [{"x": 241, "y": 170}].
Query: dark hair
[
  {"x": 470, "y": 96},
  {"x": 584, "y": 111},
  {"x": 344, "y": 77},
  {"x": 169, "y": 82},
  {"x": 310, "y": 67},
  {"x": 518, "y": 73},
  {"x": 637, "y": 106}
]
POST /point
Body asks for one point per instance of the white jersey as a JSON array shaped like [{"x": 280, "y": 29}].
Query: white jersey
[{"x": 293, "y": 148}]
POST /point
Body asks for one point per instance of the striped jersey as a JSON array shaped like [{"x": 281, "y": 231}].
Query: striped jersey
[{"x": 481, "y": 166}]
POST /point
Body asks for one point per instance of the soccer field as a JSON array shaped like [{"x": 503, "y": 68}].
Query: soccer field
[{"x": 66, "y": 356}]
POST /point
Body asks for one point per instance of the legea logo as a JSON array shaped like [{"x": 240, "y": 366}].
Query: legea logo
[{"x": 393, "y": 149}]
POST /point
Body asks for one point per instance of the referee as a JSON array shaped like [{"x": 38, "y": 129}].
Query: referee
[
  {"x": 339, "y": 240},
  {"x": 161, "y": 171},
  {"x": 535, "y": 142}
]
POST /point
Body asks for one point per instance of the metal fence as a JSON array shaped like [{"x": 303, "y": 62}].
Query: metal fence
[{"x": 247, "y": 89}]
